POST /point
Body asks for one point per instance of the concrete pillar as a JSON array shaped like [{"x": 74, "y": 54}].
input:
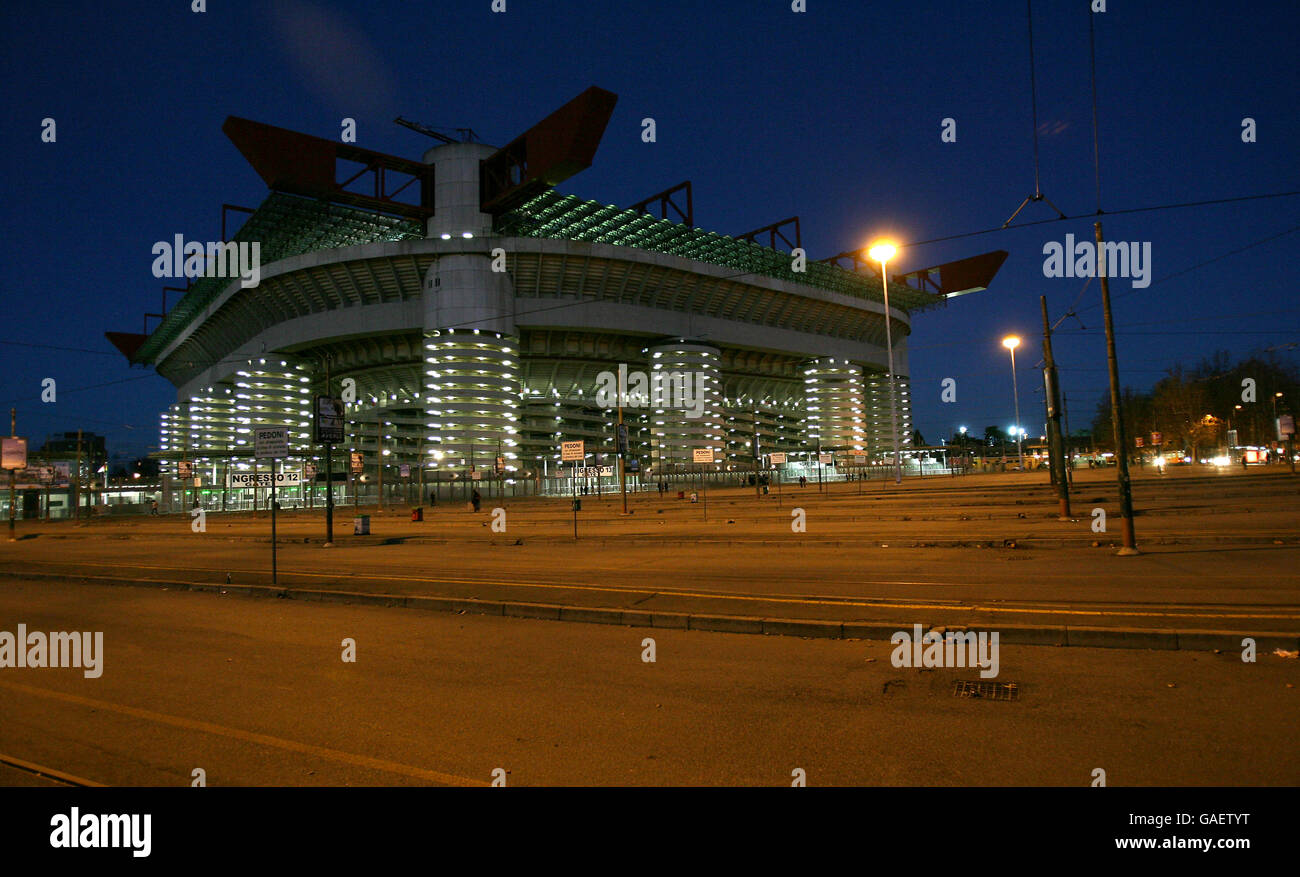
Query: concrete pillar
[{"x": 472, "y": 363}]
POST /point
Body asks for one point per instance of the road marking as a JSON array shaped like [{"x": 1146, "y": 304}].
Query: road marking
[
  {"x": 1029, "y": 607},
  {"x": 250, "y": 736},
  {"x": 48, "y": 772}
]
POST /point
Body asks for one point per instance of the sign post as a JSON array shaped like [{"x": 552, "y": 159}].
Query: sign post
[
  {"x": 13, "y": 457},
  {"x": 356, "y": 467},
  {"x": 273, "y": 443},
  {"x": 309, "y": 480},
  {"x": 622, "y": 457},
  {"x": 776, "y": 459},
  {"x": 573, "y": 452},
  {"x": 705, "y": 455},
  {"x": 1286, "y": 430},
  {"x": 328, "y": 430}
]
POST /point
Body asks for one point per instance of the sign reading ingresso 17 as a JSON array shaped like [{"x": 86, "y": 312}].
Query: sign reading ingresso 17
[
  {"x": 271, "y": 442},
  {"x": 329, "y": 420}
]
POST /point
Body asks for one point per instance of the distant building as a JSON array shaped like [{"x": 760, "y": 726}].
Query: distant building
[{"x": 64, "y": 446}]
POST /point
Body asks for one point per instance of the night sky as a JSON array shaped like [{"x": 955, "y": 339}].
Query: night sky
[{"x": 833, "y": 114}]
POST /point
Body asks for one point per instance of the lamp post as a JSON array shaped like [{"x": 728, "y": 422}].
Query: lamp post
[
  {"x": 1011, "y": 342},
  {"x": 1276, "y": 437},
  {"x": 882, "y": 252}
]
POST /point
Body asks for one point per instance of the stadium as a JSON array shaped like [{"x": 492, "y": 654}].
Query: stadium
[{"x": 469, "y": 316}]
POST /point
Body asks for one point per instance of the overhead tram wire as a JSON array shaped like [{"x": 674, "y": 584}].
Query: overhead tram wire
[
  {"x": 83, "y": 389},
  {"x": 58, "y": 347},
  {"x": 1033, "y": 103},
  {"x": 1198, "y": 265},
  {"x": 1209, "y": 202},
  {"x": 1096, "y": 141}
]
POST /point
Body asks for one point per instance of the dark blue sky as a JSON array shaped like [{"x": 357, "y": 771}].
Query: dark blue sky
[{"x": 833, "y": 115}]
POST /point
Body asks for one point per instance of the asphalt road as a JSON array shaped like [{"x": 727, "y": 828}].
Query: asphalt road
[
  {"x": 1220, "y": 552},
  {"x": 254, "y": 692}
]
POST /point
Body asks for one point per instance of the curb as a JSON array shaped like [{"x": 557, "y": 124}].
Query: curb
[
  {"x": 1050, "y": 541},
  {"x": 1028, "y": 635}
]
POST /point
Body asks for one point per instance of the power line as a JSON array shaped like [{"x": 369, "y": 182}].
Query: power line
[
  {"x": 1199, "y": 265},
  {"x": 83, "y": 389},
  {"x": 1191, "y": 332},
  {"x": 971, "y": 234},
  {"x": 57, "y": 347}
]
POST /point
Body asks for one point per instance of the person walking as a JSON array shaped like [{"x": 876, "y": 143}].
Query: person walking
[{"x": 476, "y": 499}]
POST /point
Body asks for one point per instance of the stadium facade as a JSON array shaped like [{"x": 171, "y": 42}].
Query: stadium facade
[{"x": 478, "y": 323}]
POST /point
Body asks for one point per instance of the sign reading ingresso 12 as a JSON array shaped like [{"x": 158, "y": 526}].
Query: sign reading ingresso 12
[{"x": 263, "y": 479}]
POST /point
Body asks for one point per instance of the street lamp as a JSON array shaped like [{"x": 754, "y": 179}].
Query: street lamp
[
  {"x": 882, "y": 252},
  {"x": 1011, "y": 342}
]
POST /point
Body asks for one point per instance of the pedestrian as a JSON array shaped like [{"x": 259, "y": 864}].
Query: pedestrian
[
  {"x": 433, "y": 497},
  {"x": 153, "y": 507},
  {"x": 477, "y": 499},
  {"x": 1243, "y": 462}
]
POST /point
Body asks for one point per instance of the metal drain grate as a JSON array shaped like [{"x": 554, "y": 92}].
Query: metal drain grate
[{"x": 985, "y": 689}]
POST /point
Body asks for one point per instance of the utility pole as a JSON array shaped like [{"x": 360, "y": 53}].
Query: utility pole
[
  {"x": 13, "y": 433},
  {"x": 1054, "y": 449},
  {"x": 1069, "y": 457},
  {"x": 184, "y": 487},
  {"x": 329, "y": 466},
  {"x": 1129, "y": 546},
  {"x": 274, "y": 505},
  {"x": 620, "y": 439},
  {"x": 76, "y": 483}
]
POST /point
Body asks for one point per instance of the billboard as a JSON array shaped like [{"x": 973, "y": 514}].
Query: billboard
[{"x": 327, "y": 425}]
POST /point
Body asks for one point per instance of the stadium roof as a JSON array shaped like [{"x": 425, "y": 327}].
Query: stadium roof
[{"x": 289, "y": 225}]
